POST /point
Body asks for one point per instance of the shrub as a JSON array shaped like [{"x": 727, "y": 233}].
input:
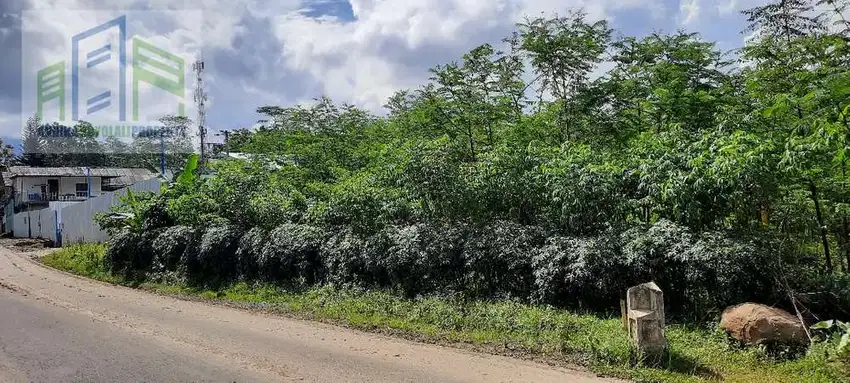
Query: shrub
[
  {"x": 363, "y": 204},
  {"x": 169, "y": 246},
  {"x": 155, "y": 215},
  {"x": 249, "y": 253},
  {"x": 129, "y": 254},
  {"x": 216, "y": 256},
  {"x": 649, "y": 251},
  {"x": 497, "y": 260},
  {"x": 700, "y": 274},
  {"x": 292, "y": 251},
  {"x": 718, "y": 271},
  {"x": 558, "y": 273},
  {"x": 345, "y": 259},
  {"x": 583, "y": 272},
  {"x": 825, "y": 295},
  {"x": 424, "y": 259}
]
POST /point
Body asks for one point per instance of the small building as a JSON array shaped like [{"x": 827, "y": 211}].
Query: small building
[{"x": 33, "y": 188}]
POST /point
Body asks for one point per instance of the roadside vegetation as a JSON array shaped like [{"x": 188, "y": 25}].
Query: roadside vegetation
[
  {"x": 536, "y": 332},
  {"x": 484, "y": 200}
]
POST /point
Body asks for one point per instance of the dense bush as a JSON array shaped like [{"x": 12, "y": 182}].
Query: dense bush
[
  {"x": 719, "y": 271},
  {"x": 498, "y": 260},
  {"x": 565, "y": 272},
  {"x": 345, "y": 258},
  {"x": 424, "y": 259},
  {"x": 213, "y": 261},
  {"x": 249, "y": 253},
  {"x": 292, "y": 252},
  {"x": 169, "y": 246},
  {"x": 130, "y": 254},
  {"x": 827, "y": 296},
  {"x": 700, "y": 274}
]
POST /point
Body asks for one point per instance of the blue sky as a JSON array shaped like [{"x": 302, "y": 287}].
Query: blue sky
[{"x": 359, "y": 51}]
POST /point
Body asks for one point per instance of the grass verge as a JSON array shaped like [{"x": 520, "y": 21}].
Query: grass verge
[{"x": 534, "y": 332}]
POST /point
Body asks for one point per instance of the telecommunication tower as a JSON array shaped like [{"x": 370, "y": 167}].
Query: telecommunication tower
[{"x": 200, "y": 100}]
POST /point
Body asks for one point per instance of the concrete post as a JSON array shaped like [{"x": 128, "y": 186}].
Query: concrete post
[{"x": 645, "y": 304}]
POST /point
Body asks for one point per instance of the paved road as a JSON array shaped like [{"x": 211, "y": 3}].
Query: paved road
[{"x": 55, "y": 327}]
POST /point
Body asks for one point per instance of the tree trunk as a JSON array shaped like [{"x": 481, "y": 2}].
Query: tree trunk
[
  {"x": 822, "y": 226},
  {"x": 471, "y": 143},
  {"x": 845, "y": 240}
]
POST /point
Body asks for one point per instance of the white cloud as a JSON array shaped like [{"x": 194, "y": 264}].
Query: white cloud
[
  {"x": 728, "y": 7},
  {"x": 11, "y": 124},
  {"x": 391, "y": 44},
  {"x": 689, "y": 11}
]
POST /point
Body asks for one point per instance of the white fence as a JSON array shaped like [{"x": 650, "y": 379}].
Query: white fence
[
  {"x": 76, "y": 219},
  {"x": 35, "y": 224}
]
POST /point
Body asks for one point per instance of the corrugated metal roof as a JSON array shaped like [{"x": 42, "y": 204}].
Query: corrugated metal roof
[
  {"x": 124, "y": 181},
  {"x": 7, "y": 179},
  {"x": 80, "y": 171}
]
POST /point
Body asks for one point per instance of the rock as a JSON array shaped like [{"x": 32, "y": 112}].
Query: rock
[{"x": 755, "y": 324}]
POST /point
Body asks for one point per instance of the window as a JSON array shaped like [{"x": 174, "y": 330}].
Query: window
[{"x": 82, "y": 190}]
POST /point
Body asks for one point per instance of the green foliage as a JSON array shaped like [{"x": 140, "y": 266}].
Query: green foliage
[
  {"x": 837, "y": 334},
  {"x": 292, "y": 252},
  {"x": 250, "y": 254},
  {"x": 81, "y": 259},
  {"x": 214, "y": 260},
  {"x": 129, "y": 254},
  {"x": 578, "y": 272},
  {"x": 723, "y": 183},
  {"x": 497, "y": 259},
  {"x": 169, "y": 247},
  {"x": 188, "y": 176},
  {"x": 425, "y": 259}
]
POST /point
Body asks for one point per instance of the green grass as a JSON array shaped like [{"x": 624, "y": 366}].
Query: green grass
[
  {"x": 81, "y": 259},
  {"x": 549, "y": 334}
]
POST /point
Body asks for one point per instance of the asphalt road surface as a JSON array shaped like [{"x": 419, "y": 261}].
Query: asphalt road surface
[{"x": 55, "y": 327}]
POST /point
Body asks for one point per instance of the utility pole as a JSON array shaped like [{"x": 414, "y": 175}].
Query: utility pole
[
  {"x": 200, "y": 99},
  {"x": 162, "y": 151},
  {"x": 226, "y": 134}
]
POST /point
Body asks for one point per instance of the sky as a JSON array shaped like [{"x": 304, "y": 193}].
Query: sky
[{"x": 283, "y": 52}]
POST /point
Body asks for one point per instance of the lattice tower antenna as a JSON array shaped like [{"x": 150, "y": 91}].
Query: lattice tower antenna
[{"x": 200, "y": 101}]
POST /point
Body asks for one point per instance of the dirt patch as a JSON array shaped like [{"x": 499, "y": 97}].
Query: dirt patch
[{"x": 26, "y": 245}]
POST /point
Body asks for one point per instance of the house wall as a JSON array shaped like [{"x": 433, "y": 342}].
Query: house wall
[{"x": 67, "y": 185}]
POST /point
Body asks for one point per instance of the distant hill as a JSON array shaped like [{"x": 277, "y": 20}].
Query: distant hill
[{"x": 15, "y": 142}]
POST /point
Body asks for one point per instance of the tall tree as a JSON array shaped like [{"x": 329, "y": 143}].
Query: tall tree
[
  {"x": 32, "y": 153},
  {"x": 563, "y": 51}
]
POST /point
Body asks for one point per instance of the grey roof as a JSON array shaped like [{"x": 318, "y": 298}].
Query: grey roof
[
  {"x": 79, "y": 171},
  {"x": 124, "y": 181}
]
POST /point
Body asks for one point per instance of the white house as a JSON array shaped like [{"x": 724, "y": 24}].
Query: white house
[{"x": 33, "y": 188}]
